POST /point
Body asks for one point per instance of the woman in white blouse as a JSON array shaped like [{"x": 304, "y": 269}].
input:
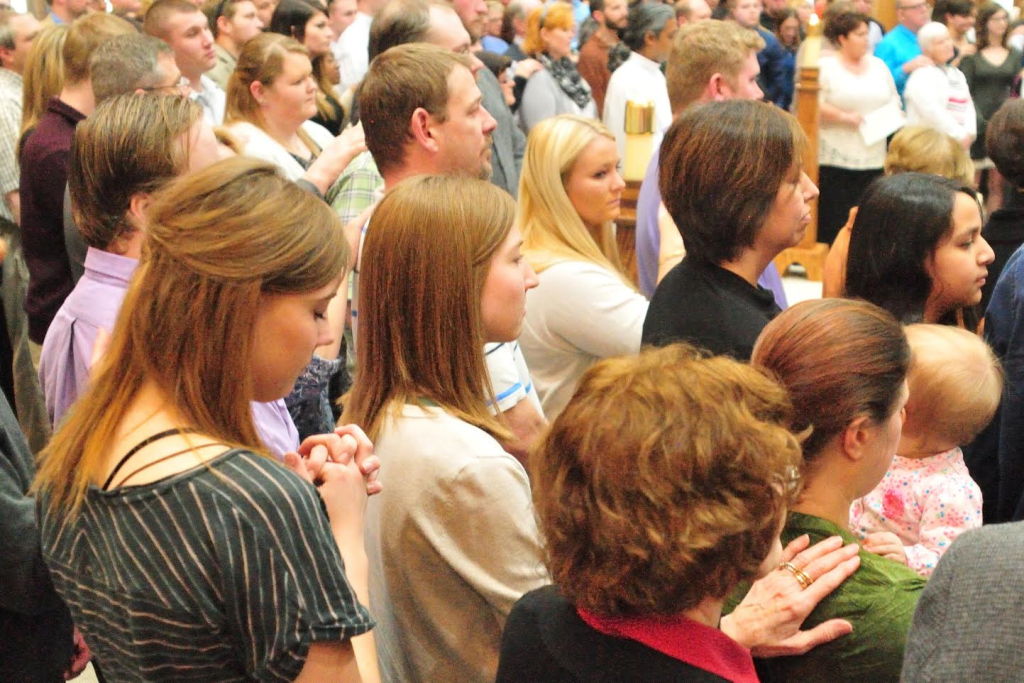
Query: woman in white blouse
[
  {"x": 854, "y": 83},
  {"x": 584, "y": 307},
  {"x": 938, "y": 96}
]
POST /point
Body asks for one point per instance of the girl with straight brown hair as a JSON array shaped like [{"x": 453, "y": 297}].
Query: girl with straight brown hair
[
  {"x": 180, "y": 548},
  {"x": 845, "y": 364},
  {"x": 452, "y": 541}
]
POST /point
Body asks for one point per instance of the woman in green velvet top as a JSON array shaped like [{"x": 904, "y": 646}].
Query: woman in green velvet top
[{"x": 845, "y": 364}]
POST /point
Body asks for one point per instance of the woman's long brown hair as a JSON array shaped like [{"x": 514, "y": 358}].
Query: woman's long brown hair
[
  {"x": 421, "y": 336},
  {"x": 218, "y": 241}
]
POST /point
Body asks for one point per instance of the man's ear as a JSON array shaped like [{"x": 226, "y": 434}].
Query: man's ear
[
  {"x": 421, "y": 125},
  {"x": 717, "y": 89},
  {"x": 138, "y": 209},
  {"x": 855, "y": 438},
  {"x": 6, "y": 58}
]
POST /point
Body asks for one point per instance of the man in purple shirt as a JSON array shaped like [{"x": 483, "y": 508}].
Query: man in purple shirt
[
  {"x": 710, "y": 61},
  {"x": 131, "y": 146},
  {"x": 44, "y": 170}
]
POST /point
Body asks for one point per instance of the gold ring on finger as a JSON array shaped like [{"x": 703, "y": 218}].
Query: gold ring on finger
[{"x": 801, "y": 578}]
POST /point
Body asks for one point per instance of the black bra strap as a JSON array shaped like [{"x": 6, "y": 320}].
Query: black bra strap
[{"x": 142, "y": 444}]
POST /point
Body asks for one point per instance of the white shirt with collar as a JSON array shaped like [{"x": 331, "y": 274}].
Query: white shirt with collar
[
  {"x": 352, "y": 52},
  {"x": 212, "y": 99},
  {"x": 638, "y": 79}
]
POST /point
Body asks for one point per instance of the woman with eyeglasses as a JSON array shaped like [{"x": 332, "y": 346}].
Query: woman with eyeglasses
[{"x": 558, "y": 88}]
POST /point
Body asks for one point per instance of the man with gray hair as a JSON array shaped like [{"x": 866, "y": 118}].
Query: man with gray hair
[
  {"x": 899, "y": 48},
  {"x": 17, "y": 32},
  {"x": 649, "y": 34},
  {"x": 134, "y": 62},
  {"x": 692, "y": 11}
]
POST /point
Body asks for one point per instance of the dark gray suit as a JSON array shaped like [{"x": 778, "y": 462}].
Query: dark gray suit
[
  {"x": 508, "y": 142},
  {"x": 968, "y": 627}
]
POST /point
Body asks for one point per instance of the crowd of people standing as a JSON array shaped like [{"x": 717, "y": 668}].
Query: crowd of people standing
[{"x": 322, "y": 358}]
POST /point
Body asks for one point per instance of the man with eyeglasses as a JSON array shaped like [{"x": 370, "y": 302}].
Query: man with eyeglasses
[{"x": 899, "y": 49}]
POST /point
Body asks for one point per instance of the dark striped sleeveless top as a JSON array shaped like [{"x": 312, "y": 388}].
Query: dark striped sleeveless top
[{"x": 226, "y": 572}]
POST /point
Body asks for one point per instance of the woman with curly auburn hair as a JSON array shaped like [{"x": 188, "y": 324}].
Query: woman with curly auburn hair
[
  {"x": 845, "y": 364},
  {"x": 651, "y": 522}
]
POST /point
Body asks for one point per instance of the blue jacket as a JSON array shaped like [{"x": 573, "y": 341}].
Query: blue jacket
[
  {"x": 1001, "y": 446},
  {"x": 774, "y": 80}
]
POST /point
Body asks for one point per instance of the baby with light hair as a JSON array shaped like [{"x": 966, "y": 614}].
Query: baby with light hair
[{"x": 927, "y": 498}]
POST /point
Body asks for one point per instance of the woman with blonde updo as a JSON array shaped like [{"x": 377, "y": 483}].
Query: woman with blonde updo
[
  {"x": 160, "y": 509},
  {"x": 584, "y": 308}
]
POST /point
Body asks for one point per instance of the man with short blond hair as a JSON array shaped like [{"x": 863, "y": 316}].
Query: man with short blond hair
[
  {"x": 710, "y": 61},
  {"x": 186, "y": 29}
]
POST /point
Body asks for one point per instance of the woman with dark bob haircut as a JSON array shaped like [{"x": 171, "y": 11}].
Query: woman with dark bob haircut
[
  {"x": 731, "y": 178},
  {"x": 845, "y": 364},
  {"x": 916, "y": 250},
  {"x": 651, "y": 522}
]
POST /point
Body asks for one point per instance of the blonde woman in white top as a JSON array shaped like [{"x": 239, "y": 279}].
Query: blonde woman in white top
[
  {"x": 853, "y": 84},
  {"x": 584, "y": 307}
]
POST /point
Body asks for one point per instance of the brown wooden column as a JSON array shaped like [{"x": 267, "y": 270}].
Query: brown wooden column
[
  {"x": 809, "y": 253},
  {"x": 885, "y": 12}
]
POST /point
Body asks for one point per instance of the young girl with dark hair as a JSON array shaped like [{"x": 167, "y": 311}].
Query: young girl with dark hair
[{"x": 916, "y": 250}]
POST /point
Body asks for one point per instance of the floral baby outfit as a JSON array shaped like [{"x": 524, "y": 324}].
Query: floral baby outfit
[{"x": 927, "y": 502}]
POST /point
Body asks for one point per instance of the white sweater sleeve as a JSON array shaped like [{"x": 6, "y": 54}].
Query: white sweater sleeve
[
  {"x": 592, "y": 309},
  {"x": 927, "y": 96}
]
